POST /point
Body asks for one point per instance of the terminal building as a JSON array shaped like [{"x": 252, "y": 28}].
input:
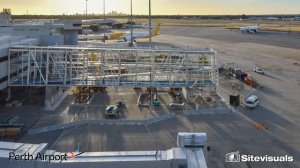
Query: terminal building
[
  {"x": 31, "y": 33},
  {"x": 47, "y": 54}
]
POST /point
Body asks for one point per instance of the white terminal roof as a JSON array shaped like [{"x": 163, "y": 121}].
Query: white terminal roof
[
  {"x": 34, "y": 149},
  {"x": 66, "y": 24},
  {"x": 20, "y": 148},
  {"x": 192, "y": 157},
  {"x": 10, "y": 40}
]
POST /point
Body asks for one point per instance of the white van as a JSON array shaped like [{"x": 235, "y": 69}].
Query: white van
[
  {"x": 176, "y": 106},
  {"x": 259, "y": 70},
  {"x": 252, "y": 101}
]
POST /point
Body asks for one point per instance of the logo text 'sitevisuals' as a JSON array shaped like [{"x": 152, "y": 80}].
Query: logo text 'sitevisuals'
[
  {"x": 235, "y": 157},
  {"x": 266, "y": 158}
]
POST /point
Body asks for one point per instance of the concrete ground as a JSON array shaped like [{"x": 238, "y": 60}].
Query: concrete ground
[
  {"x": 279, "y": 106},
  {"x": 278, "y": 54},
  {"x": 95, "y": 108}
]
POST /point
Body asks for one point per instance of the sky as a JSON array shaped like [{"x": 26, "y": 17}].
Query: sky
[{"x": 159, "y": 7}]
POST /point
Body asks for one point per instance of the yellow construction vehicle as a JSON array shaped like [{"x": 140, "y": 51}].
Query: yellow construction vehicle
[
  {"x": 260, "y": 126},
  {"x": 10, "y": 130},
  {"x": 203, "y": 60}
]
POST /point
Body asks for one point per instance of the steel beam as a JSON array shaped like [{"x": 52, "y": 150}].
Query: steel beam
[{"x": 110, "y": 67}]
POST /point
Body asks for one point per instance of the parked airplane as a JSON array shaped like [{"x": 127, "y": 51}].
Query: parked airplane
[
  {"x": 135, "y": 26},
  {"x": 99, "y": 22},
  {"x": 139, "y": 35},
  {"x": 126, "y": 36},
  {"x": 251, "y": 29},
  {"x": 107, "y": 36}
]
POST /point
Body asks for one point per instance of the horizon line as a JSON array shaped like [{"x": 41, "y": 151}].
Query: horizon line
[{"x": 154, "y": 14}]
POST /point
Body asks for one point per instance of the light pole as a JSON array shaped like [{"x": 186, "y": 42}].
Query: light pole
[
  {"x": 104, "y": 17},
  {"x": 86, "y": 16},
  {"x": 290, "y": 30},
  {"x": 150, "y": 44},
  {"x": 150, "y": 25},
  {"x": 131, "y": 27}
]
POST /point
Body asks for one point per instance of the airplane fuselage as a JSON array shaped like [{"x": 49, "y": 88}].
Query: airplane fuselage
[
  {"x": 250, "y": 29},
  {"x": 136, "y": 35}
]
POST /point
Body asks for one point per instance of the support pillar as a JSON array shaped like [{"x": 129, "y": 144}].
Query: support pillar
[
  {"x": 8, "y": 94},
  {"x": 186, "y": 93},
  {"x": 53, "y": 97}
]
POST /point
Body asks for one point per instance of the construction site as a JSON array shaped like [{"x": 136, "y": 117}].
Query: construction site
[
  {"x": 160, "y": 81},
  {"x": 78, "y": 86},
  {"x": 175, "y": 95}
]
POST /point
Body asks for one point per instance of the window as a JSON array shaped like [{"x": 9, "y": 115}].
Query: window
[
  {"x": 182, "y": 166},
  {"x": 4, "y": 79},
  {"x": 77, "y": 24},
  {"x": 56, "y": 31},
  {"x": 2, "y": 59},
  {"x": 249, "y": 102},
  {"x": 19, "y": 29}
]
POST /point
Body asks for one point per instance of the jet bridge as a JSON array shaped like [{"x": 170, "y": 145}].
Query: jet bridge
[{"x": 112, "y": 67}]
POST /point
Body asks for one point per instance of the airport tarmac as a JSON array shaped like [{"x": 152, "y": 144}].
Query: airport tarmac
[
  {"x": 219, "y": 34},
  {"x": 277, "y": 53},
  {"x": 94, "y": 109}
]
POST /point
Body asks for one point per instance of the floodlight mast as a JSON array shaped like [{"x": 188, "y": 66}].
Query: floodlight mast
[
  {"x": 150, "y": 25},
  {"x": 104, "y": 17},
  {"x": 150, "y": 44},
  {"x": 131, "y": 25},
  {"x": 86, "y": 16}
]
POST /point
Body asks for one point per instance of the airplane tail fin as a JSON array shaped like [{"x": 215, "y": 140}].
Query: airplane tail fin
[
  {"x": 258, "y": 24},
  {"x": 115, "y": 36},
  {"x": 156, "y": 30}
]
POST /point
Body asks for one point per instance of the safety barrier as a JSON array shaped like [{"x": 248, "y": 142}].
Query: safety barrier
[
  {"x": 100, "y": 122},
  {"x": 209, "y": 111}
]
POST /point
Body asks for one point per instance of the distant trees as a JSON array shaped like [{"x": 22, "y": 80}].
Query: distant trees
[
  {"x": 244, "y": 16},
  {"x": 116, "y": 15}
]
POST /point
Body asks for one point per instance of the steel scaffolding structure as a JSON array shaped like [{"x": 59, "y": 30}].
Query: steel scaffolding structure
[{"x": 111, "y": 67}]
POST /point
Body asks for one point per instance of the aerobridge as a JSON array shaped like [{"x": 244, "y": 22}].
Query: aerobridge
[{"x": 112, "y": 67}]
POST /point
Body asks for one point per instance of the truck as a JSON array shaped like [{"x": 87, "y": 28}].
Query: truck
[{"x": 234, "y": 71}]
